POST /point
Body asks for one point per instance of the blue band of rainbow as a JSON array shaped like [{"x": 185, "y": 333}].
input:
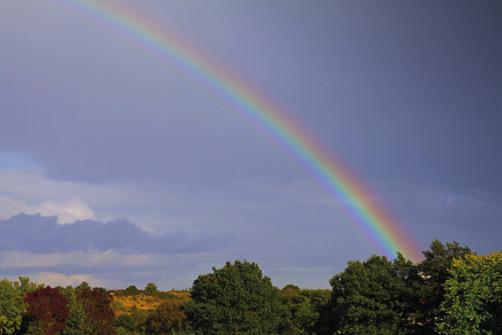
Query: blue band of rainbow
[{"x": 375, "y": 221}]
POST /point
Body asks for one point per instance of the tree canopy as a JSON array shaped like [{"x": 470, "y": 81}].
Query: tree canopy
[
  {"x": 452, "y": 291},
  {"x": 434, "y": 270},
  {"x": 367, "y": 298},
  {"x": 473, "y": 299},
  {"x": 96, "y": 303},
  {"x": 167, "y": 318},
  {"x": 48, "y": 308},
  {"x": 236, "y": 299},
  {"x": 151, "y": 289},
  {"x": 12, "y": 307}
]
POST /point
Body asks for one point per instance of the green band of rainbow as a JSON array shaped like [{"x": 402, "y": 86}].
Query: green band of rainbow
[{"x": 375, "y": 221}]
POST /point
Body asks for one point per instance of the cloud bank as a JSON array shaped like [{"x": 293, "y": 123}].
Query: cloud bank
[{"x": 40, "y": 234}]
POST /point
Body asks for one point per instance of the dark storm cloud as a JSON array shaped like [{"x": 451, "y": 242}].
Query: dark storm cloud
[
  {"x": 38, "y": 234},
  {"x": 400, "y": 90},
  {"x": 406, "y": 93}
]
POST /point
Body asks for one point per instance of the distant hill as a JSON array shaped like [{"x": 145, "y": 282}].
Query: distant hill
[{"x": 127, "y": 303}]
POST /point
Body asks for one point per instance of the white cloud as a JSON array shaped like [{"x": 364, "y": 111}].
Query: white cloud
[
  {"x": 33, "y": 192},
  {"x": 67, "y": 211},
  {"x": 10, "y": 207}
]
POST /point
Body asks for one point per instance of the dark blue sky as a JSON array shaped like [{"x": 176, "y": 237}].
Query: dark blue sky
[{"x": 95, "y": 126}]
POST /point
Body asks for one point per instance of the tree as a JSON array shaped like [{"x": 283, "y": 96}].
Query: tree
[
  {"x": 473, "y": 299},
  {"x": 318, "y": 300},
  {"x": 125, "y": 324},
  {"x": 96, "y": 303},
  {"x": 12, "y": 307},
  {"x": 434, "y": 271},
  {"x": 133, "y": 323},
  {"x": 236, "y": 299},
  {"x": 167, "y": 318},
  {"x": 302, "y": 309},
  {"x": 290, "y": 296},
  {"x": 132, "y": 290},
  {"x": 26, "y": 285},
  {"x": 76, "y": 323},
  {"x": 48, "y": 309},
  {"x": 151, "y": 289},
  {"x": 368, "y": 298}
]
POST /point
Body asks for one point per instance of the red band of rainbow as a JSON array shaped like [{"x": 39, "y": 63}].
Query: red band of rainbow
[{"x": 375, "y": 221}]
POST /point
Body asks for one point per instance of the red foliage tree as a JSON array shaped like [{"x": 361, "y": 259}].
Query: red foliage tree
[
  {"x": 49, "y": 308},
  {"x": 97, "y": 306}
]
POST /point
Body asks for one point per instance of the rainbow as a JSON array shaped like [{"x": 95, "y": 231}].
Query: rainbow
[{"x": 375, "y": 221}]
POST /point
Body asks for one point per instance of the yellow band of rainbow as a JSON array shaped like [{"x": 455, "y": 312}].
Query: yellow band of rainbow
[{"x": 359, "y": 202}]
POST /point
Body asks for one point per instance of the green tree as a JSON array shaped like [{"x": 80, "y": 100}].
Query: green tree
[
  {"x": 96, "y": 303},
  {"x": 12, "y": 307},
  {"x": 369, "y": 298},
  {"x": 133, "y": 323},
  {"x": 26, "y": 285},
  {"x": 302, "y": 309},
  {"x": 291, "y": 297},
  {"x": 125, "y": 324},
  {"x": 132, "y": 290},
  {"x": 236, "y": 299},
  {"x": 76, "y": 323},
  {"x": 434, "y": 271},
  {"x": 473, "y": 299},
  {"x": 151, "y": 289},
  {"x": 318, "y": 300}
]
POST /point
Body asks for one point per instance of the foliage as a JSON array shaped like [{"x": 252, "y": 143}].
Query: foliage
[
  {"x": 133, "y": 323},
  {"x": 132, "y": 290},
  {"x": 48, "y": 308},
  {"x": 368, "y": 298},
  {"x": 167, "y": 318},
  {"x": 151, "y": 289},
  {"x": 12, "y": 307},
  {"x": 236, "y": 299},
  {"x": 434, "y": 270},
  {"x": 76, "y": 323},
  {"x": 96, "y": 303},
  {"x": 25, "y": 285},
  {"x": 302, "y": 309},
  {"x": 383, "y": 297},
  {"x": 450, "y": 292},
  {"x": 125, "y": 324},
  {"x": 473, "y": 301}
]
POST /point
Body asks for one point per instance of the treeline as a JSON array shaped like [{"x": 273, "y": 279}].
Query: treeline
[
  {"x": 30, "y": 308},
  {"x": 451, "y": 291}
]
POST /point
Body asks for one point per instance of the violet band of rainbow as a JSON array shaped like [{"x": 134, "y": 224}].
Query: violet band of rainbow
[{"x": 377, "y": 223}]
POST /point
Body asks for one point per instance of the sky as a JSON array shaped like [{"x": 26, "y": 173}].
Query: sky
[{"x": 118, "y": 167}]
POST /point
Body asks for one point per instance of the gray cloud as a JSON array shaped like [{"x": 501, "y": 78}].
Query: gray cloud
[
  {"x": 93, "y": 125},
  {"x": 38, "y": 234}
]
